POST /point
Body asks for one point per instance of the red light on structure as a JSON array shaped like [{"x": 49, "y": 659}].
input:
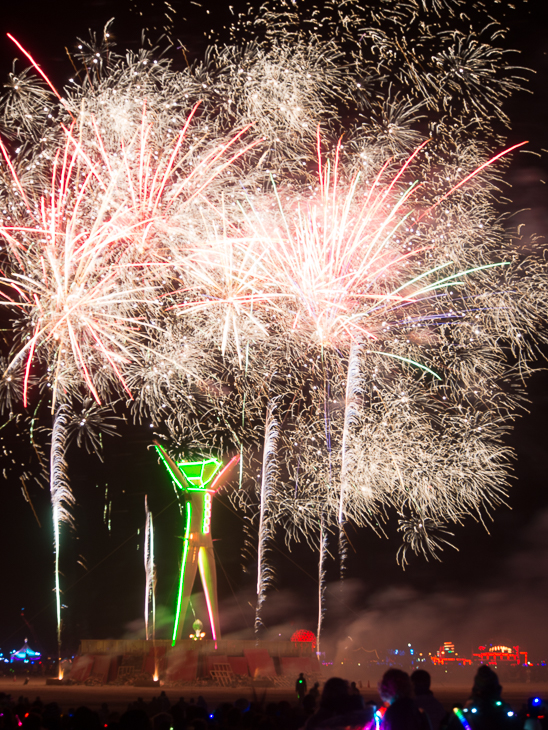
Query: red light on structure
[
  {"x": 501, "y": 655},
  {"x": 447, "y": 654},
  {"x": 302, "y": 635}
]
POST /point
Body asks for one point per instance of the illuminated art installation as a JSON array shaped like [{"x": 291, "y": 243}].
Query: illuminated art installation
[
  {"x": 25, "y": 654},
  {"x": 199, "y": 480}
]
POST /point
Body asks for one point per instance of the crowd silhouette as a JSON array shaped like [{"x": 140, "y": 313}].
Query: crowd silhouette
[{"x": 406, "y": 703}]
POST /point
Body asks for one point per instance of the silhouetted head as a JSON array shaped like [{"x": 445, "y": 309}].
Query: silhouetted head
[
  {"x": 394, "y": 685},
  {"x": 355, "y": 703},
  {"x": 242, "y": 704},
  {"x": 86, "y": 719},
  {"x": 420, "y": 679},
  {"x": 486, "y": 684},
  {"x": 162, "y": 721},
  {"x": 134, "y": 720},
  {"x": 335, "y": 694},
  {"x": 233, "y": 718}
]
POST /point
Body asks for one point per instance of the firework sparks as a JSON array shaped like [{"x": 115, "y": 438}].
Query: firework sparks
[
  {"x": 150, "y": 573},
  {"x": 61, "y": 501},
  {"x": 375, "y": 302},
  {"x": 80, "y": 263},
  {"x": 268, "y": 476}
]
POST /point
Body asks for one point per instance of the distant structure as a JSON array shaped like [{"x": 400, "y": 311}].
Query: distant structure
[
  {"x": 303, "y": 635},
  {"x": 25, "y": 655},
  {"x": 446, "y": 654},
  {"x": 495, "y": 655},
  {"x": 500, "y": 655},
  {"x": 198, "y": 480}
]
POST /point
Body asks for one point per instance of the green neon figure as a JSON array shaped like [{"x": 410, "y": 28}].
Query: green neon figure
[{"x": 199, "y": 480}]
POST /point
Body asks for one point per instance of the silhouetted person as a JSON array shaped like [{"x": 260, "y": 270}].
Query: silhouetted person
[
  {"x": 51, "y": 716},
  {"x": 425, "y": 700},
  {"x": 162, "y": 721},
  {"x": 300, "y": 687},
  {"x": 134, "y": 720},
  {"x": 164, "y": 702},
  {"x": 402, "y": 714},
  {"x": 233, "y": 718},
  {"x": 309, "y": 704},
  {"x": 485, "y": 710},
  {"x": 333, "y": 701},
  {"x": 86, "y": 719},
  {"x": 139, "y": 705},
  {"x": 338, "y": 708},
  {"x": 315, "y": 691},
  {"x": 178, "y": 711},
  {"x": 200, "y": 702},
  {"x": 104, "y": 713}
]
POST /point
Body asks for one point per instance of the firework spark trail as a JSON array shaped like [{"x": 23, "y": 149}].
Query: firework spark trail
[
  {"x": 61, "y": 500},
  {"x": 323, "y": 552},
  {"x": 268, "y": 476},
  {"x": 351, "y": 410},
  {"x": 150, "y": 573}
]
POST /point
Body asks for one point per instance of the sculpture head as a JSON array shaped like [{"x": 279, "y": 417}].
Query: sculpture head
[{"x": 190, "y": 475}]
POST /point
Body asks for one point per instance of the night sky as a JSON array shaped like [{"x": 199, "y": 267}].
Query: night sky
[{"x": 493, "y": 590}]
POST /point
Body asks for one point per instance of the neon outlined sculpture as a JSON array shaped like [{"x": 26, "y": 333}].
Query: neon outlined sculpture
[{"x": 199, "y": 480}]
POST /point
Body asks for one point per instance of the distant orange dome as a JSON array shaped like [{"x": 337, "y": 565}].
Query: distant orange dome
[{"x": 304, "y": 635}]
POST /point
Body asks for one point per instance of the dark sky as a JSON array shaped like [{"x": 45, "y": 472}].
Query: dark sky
[{"x": 494, "y": 589}]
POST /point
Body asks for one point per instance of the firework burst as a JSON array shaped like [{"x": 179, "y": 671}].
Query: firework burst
[{"x": 360, "y": 317}]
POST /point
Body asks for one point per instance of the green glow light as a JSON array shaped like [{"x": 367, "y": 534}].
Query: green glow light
[
  {"x": 464, "y": 722},
  {"x": 436, "y": 284},
  {"x": 200, "y": 473},
  {"x": 206, "y": 520},
  {"x": 167, "y": 465},
  {"x": 183, "y": 567},
  {"x": 422, "y": 276},
  {"x": 406, "y": 359}
]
